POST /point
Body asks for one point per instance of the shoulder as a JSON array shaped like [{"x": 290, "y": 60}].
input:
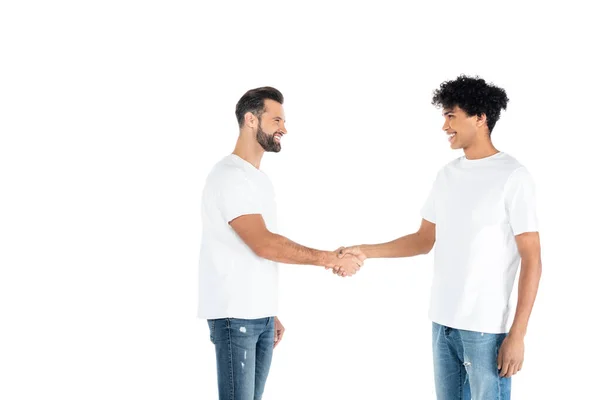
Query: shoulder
[
  {"x": 510, "y": 164},
  {"x": 226, "y": 173},
  {"x": 448, "y": 166},
  {"x": 514, "y": 169}
]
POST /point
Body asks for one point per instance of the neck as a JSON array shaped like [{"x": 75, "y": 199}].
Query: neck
[
  {"x": 481, "y": 148},
  {"x": 249, "y": 149}
]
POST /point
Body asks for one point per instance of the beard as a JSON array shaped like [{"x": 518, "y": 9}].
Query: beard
[{"x": 267, "y": 142}]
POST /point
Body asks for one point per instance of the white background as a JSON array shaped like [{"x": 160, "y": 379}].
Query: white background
[{"x": 113, "y": 112}]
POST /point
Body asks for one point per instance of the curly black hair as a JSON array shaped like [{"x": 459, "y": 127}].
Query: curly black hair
[{"x": 474, "y": 96}]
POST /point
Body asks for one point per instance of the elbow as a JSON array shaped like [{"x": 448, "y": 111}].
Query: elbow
[
  {"x": 261, "y": 251},
  {"x": 536, "y": 272},
  {"x": 532, "y": 267},
  {"x": 427, "y": 246},
  {"x": 425, "y": 239},
  {"x": 262, "y": 247}
]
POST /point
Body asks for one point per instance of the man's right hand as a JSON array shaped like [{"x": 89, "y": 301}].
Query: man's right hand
[
  {"x": 346, "y": 265},
  {"x": 344, "y": 252}
]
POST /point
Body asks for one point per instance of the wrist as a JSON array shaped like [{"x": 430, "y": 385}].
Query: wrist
[
  {"x": 367, "y": 250},
  {"x": 327, "y": 259},
  {"x": 517, "y": 332}
]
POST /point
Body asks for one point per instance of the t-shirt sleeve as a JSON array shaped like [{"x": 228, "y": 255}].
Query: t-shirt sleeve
[
  {"x": 520, "y": 202},
  {"x": 428, "y": 209},
  {"x": 237, "y": 196}
]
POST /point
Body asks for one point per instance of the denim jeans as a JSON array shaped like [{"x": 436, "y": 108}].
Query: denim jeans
[
  {"x": 244, "y": 349},
  {"x": 465, "y": 365}
]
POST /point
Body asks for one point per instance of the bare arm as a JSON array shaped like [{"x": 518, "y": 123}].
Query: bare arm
[
  {"x": 253, "y": 231},
  {"x": 512, "y": 352},
  {"x": 420, "y": 242},
  {"x": 529, "y": 279}
]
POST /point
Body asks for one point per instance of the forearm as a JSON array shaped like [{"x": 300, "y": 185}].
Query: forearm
[
  {"x": 281, "y": 249},
  {"x": 531, "y": 271},
  {"x": 406, "y": 246}
]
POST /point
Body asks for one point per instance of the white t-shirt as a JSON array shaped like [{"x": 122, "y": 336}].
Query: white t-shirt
[
  {"x": 478, "y": 206},
  {"x": 234, "y": 281}
]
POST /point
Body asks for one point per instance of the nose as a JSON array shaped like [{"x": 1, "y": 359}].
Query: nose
[
  {"x": 446, "y": 125},
  {"x": 283, "y": 128}
]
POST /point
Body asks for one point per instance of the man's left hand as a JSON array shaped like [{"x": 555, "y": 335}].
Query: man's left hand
[
  {"x": 511, "y": 355},
  {"x": 279, "y": 329}
]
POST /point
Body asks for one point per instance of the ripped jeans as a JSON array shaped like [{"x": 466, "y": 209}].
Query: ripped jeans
[
  {"x": 465, "y": 366},
  {"x": 244, "y": 349}
]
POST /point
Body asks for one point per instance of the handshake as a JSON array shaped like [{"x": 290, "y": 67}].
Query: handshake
[{"x": 347, "y": 261}]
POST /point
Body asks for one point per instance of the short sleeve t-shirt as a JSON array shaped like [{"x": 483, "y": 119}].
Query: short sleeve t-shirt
[
  {"x": 478, "y": 206},
  {"x": 234, "y": 281}
]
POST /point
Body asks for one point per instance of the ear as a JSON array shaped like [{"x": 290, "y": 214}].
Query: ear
[
  {"x": 250, "y": 120},
  {"x": 481, "y": 120}
]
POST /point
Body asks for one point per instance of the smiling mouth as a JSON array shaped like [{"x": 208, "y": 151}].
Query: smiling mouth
[
  {"x": 451, "y": 136},
  {"x": 278, "y": 136}
]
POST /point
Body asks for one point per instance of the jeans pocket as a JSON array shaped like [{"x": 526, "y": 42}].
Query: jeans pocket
[{"x": 211, "y": 328}]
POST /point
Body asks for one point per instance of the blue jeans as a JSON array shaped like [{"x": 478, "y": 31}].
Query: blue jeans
[
  {"x": 465, "y": 366},
  {"x": 244, "y": 350}
]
